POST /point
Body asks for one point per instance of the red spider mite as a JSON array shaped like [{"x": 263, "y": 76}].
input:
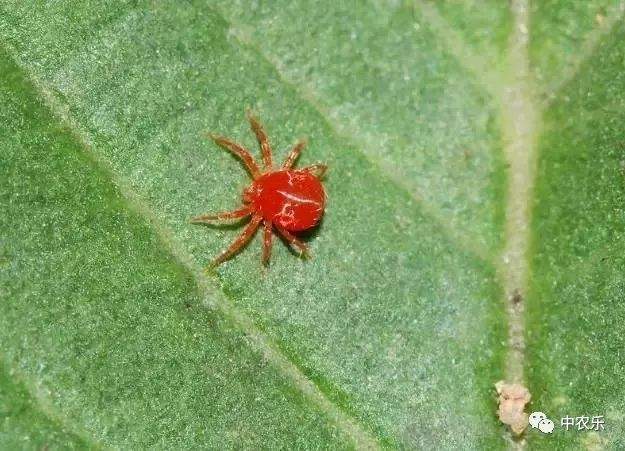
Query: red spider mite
[{"x": 285, "y": 200}]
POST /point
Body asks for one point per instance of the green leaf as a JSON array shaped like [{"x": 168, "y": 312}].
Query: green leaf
[
  {"x": 576, "y": 307},
  {"x": 473, "y": 231}
]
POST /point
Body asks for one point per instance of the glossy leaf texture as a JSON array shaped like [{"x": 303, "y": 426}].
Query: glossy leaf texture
[{"x": 394, "y": 333}]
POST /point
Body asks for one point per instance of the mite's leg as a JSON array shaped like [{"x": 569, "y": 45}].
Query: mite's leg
[
  {"x": 237, "y": 244},
  {"x": 293, "y": 241},
  {"x": 267, "y": 241},
  {"x": 297, "y": 149},
  {"x": 261, "y": 136},
  {"x": 318, "y": 170},
  {"x": 208, "y": 218},
  {"x": 238, "y": 150}
]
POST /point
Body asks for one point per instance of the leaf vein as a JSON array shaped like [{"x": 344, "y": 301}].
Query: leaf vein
[
  {"x": 588, "y": 47},
  {"x": 46, "y": 408}
]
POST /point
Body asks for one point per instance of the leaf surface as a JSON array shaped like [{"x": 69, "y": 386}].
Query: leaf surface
[{"x": 395, "y": 332}]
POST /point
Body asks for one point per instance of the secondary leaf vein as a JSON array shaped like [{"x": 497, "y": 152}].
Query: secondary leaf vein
[{"x": 613, "y": 16}]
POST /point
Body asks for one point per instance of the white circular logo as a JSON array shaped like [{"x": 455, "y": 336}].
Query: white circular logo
[{"x": 535, "y": 418}]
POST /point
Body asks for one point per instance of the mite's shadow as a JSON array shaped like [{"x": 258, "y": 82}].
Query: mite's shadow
[{"x": 311, "y": 233}]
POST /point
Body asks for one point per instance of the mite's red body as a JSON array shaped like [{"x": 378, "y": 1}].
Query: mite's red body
[
  {"x": 285, "y": 199},
  {"x": 292, "y": 199}
]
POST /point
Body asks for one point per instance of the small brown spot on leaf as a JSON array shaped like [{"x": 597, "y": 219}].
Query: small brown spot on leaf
[
  {"x": 512, "y": 401},
  {"x": 516, "y": 297}
]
